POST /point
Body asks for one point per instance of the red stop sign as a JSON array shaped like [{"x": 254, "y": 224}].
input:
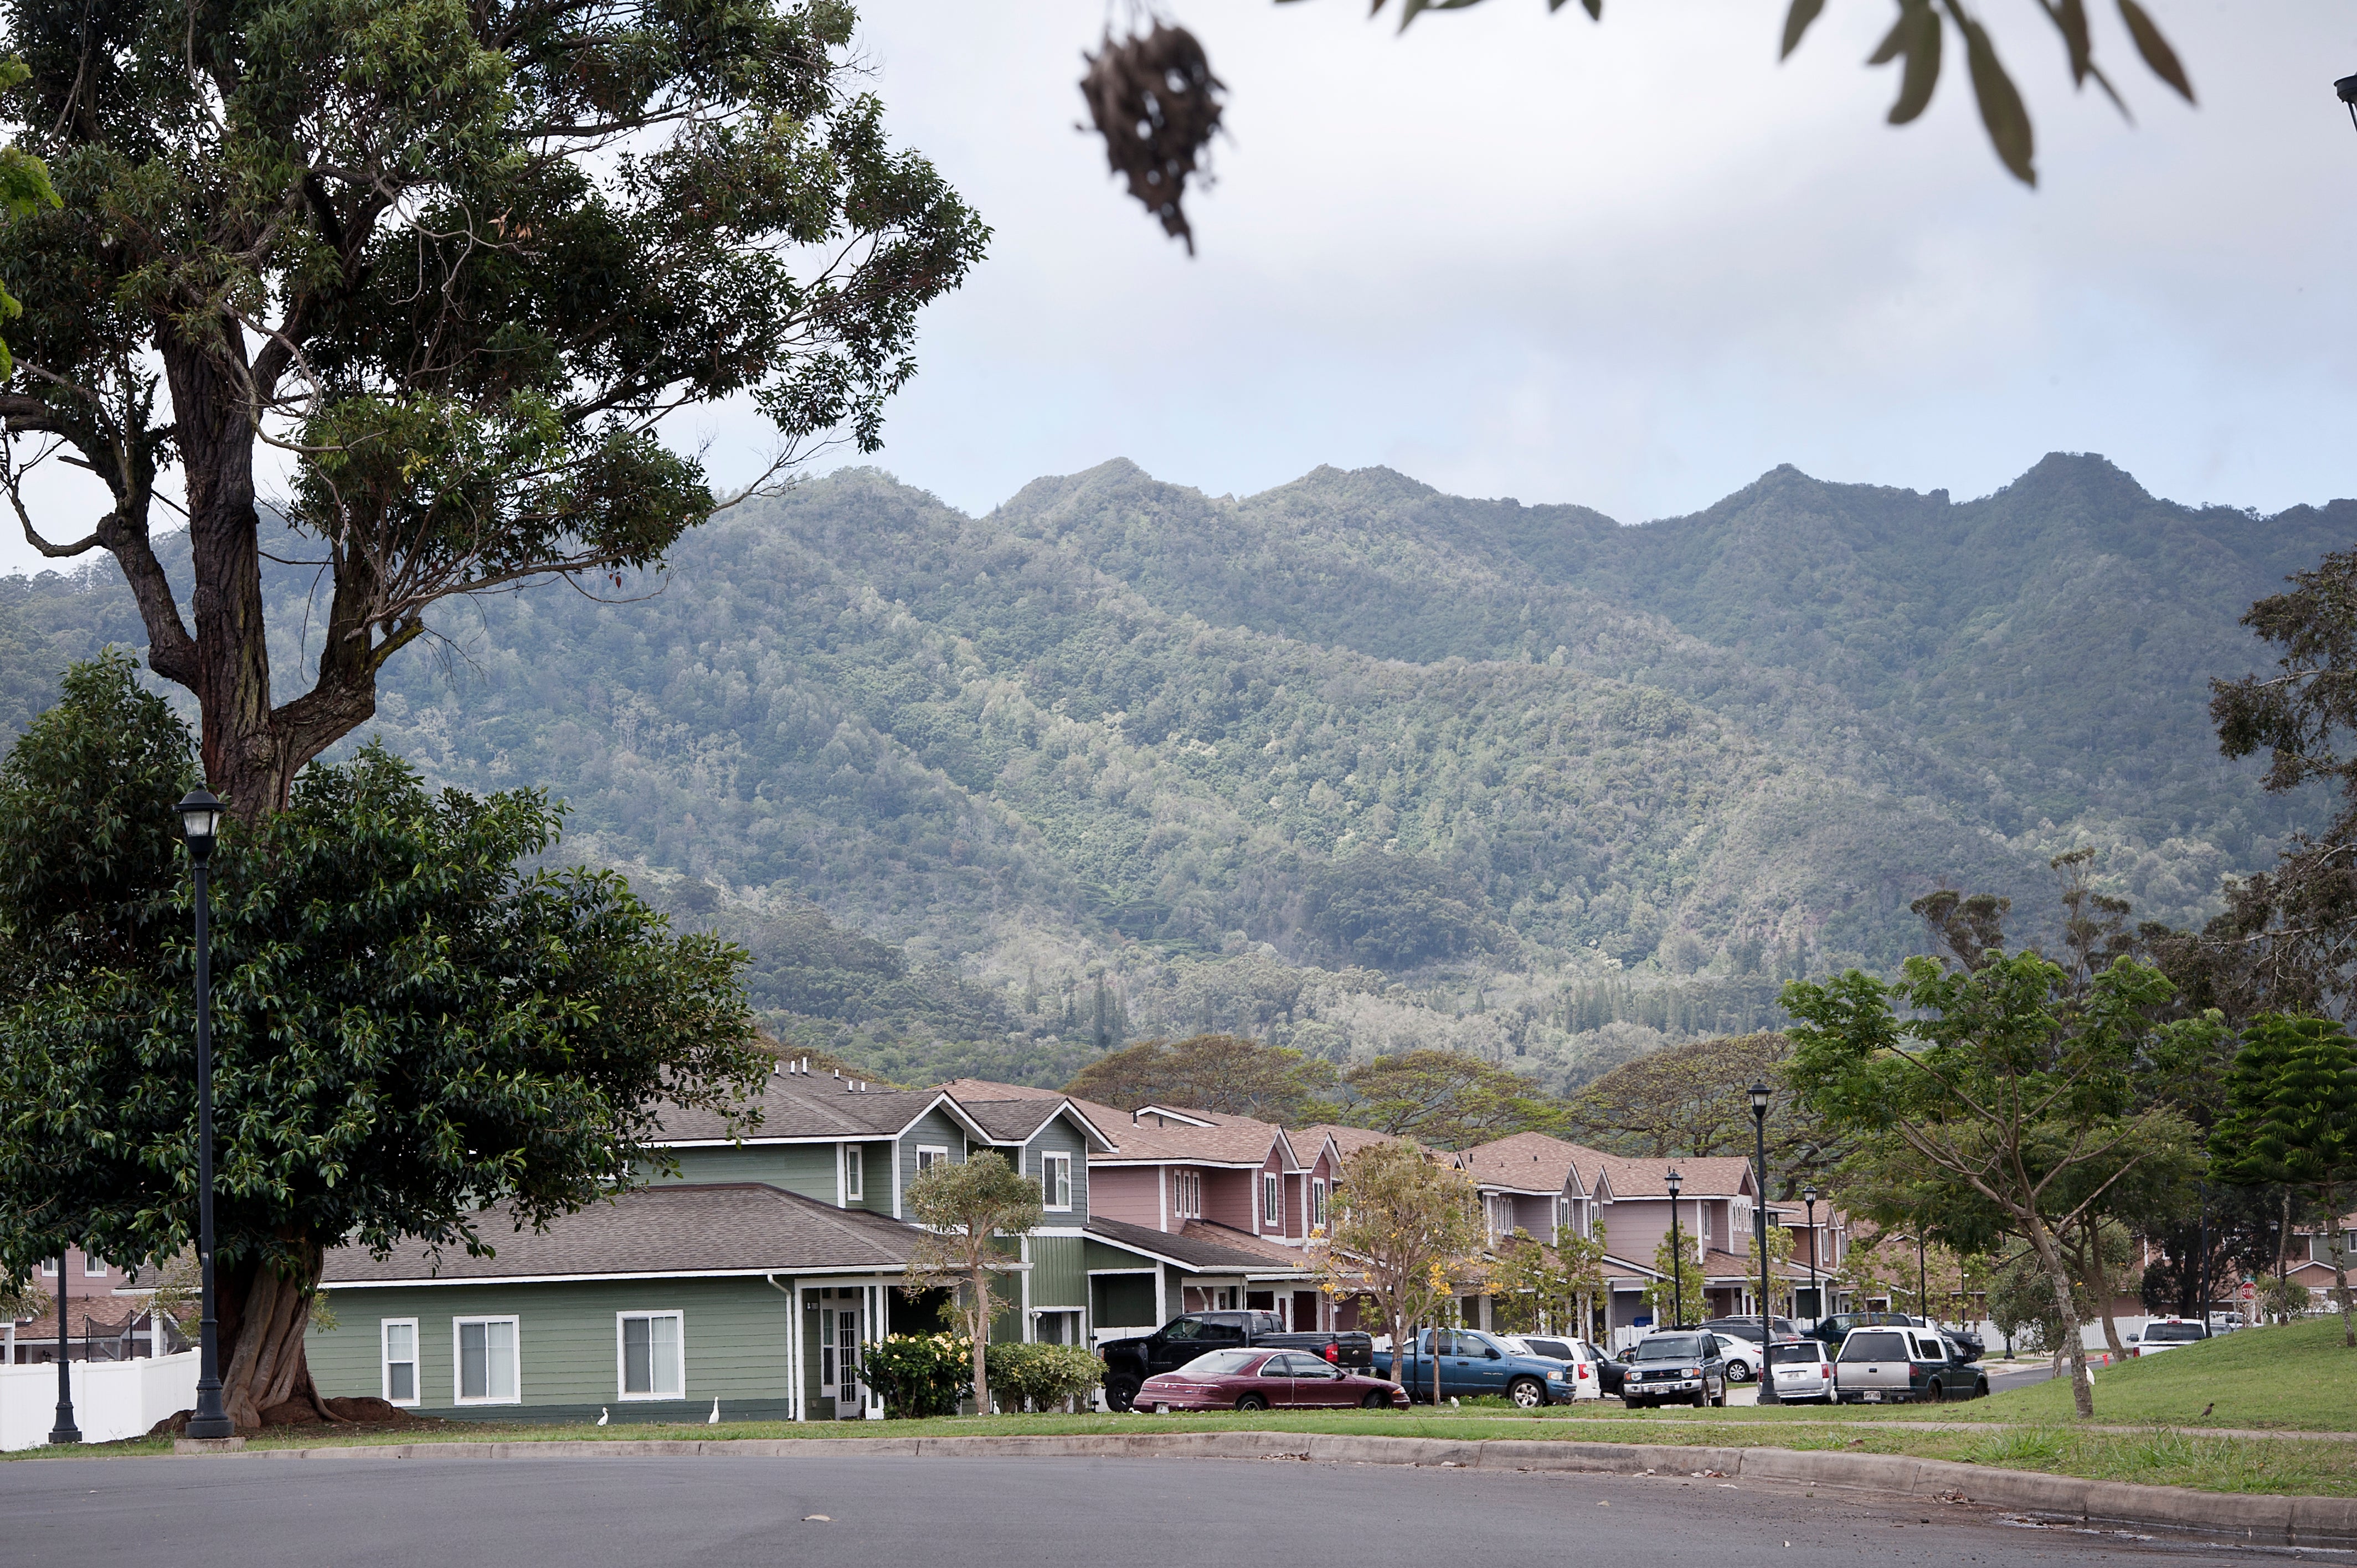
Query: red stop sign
[{"x": 2250, "y": 1291}]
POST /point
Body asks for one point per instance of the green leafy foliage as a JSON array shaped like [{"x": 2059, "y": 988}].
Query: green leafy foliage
[
  {"x": 968, "y": 1207},
  {"x": 409, "y": 1027},
  {"x": 1024, "y": 1376},
  {"x": 1446, "y": 1099},
  {"x": 1211, "y": 1072},
  {"x": 2291, "y": 1121},
  {"x": 919, "y": 1374}
]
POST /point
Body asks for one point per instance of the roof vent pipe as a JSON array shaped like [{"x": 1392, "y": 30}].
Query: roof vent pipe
[{"x": 806, "y": 1066}]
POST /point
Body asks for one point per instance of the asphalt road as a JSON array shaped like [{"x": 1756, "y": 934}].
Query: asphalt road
[{"x": 1049, "y": 1513}]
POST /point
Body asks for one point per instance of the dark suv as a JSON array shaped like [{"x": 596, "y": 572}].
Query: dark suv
[
  {"x": 1834, "y": 1330},
  {"x": 1674, "y": 1367}
]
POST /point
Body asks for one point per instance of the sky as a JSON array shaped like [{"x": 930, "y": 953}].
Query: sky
[{"x": 1632, "y": 265}]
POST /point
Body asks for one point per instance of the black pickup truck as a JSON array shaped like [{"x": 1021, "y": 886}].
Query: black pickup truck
[{"x": 1129, "y": 1362}]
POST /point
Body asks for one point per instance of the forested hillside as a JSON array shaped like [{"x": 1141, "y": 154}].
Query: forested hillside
[{"x": 1351, "y": 763}]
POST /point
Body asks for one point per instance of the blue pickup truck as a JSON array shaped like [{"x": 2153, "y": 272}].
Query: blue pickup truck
[{"x": 1472, "y": 1362}]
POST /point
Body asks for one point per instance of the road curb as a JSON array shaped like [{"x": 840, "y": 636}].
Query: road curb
[{"x": 2265, "y": 1519}]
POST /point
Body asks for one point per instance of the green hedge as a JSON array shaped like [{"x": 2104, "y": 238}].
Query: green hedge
[
  {"x": 1039, "y": 1376},
  {"x": 921, "y": 1374}
]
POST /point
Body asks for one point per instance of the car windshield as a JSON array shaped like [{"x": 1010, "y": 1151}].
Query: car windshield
[
  {"x": 2172, "y": 1331},
  {"x": 1219, "y": 1363},
  {"x": 1669, "y": 1347},
  {"x": 1875, "y": 1347},
  {"x": 1794, "y": 1354}
]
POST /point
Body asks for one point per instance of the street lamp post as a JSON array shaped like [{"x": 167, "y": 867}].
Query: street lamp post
[
  {"x": 65, "y": 1431},
  {"x": 1677, "y": 1248},
  {"x": 1817, "y": 1302},
  {"x": 201, "y": 816},
  {"x": 1759, "y": 1230},
  {"x": 2347, "y": 88},
  {"x": 1923, "y": 1277}
]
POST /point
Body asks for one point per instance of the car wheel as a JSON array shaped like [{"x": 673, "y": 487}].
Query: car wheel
[
  {"x": 1526, "y": 1393},
  {"x": 1933, "y": 1393},
  {"x": 1121, "y": 1395},
  {"x": 1740, "y": 1371},
  {"x": 1631, "y": 1404},
  {"x": 1980, "y": 1389},
  {"x": 1376, "y": 1400},
  {"x": 1702, "y": 1399},
  {"x": 1253, "y": 1402}
]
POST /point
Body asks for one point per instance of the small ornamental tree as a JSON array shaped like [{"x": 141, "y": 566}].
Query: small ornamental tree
[
  {"x": 2003, "y": 1075},
  {"x": 408, "y": 1028},
  {"x": 967, "y": 1207},
  {"x": 1407, "y": 1226},
  {"x": 2291, "y": 1120},
  {"x": 1680, "y": 1285},
  {"x": 1545, "y": 1288}
]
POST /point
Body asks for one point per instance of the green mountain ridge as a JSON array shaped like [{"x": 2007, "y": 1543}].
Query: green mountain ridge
[{"x": 1351, "y": 763}]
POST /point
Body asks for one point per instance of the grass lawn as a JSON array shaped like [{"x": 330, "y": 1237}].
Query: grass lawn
[{"x": 2296, "y": 1379}]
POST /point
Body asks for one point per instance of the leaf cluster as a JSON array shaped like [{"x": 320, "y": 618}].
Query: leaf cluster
[{"x": 1213, "y": 1072}]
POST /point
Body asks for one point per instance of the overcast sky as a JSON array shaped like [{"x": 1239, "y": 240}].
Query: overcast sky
[
  {"x": 1632, "y": 265},
  {"x": 1637, "y": 264}
]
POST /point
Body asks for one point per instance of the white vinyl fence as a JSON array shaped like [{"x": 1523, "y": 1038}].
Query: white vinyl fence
[{"x": 113, "y": 1400}]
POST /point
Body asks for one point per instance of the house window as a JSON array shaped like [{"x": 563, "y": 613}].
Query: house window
[
  {"x": 653, "y": 1364},
  {"x": 1186, "y": 1194},
  {"x": 1056, "y": 1181},
  {"x": 929, "y": 1156},
  {"x": 93, "y": 1268},
  {"x": 855, "y": 1173},
  {"x": 1703, "y": 1209},
  {"x": 487, "y": 1360},
  {"x": 400, "y": 1335},
  {"x": 49, "y": 1270},
  {"x": 1270, "y": 1204},
  {"x": 1317, "y": 1204}
]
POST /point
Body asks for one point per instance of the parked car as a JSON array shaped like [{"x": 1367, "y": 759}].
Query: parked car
[
  {"x": 1749, "y": 1327},
  {"x": 1610, "y": 1369},
  {"x": 2169, "y": 1334},
  {"x": 1973, "y": 1346},
  {"x": 1742, "y": 1356},
  {"x": 1581, "y": 1370},
  {"x": 1803, "y": 1368},
  {"x": 1833, "y": 1330},
  {"x": 1472, "y": 1362},
  {"x": 1894, "y": 1365},
  {"x": 1129, "y": 1362},
  {"x": 1681, "y": 1368},
  {"x": 1266, "y": 1379},
  {"x": 2226, "y": 1322}
]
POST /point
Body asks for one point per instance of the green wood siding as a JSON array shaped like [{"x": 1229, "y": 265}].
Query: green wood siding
[
  {"x": 806, "y": 1168},
  {"x": 1062, "y": 1137},
  {"x": 875, "y": 1178},
  {"x": 934, "y": 1129},
  {"x": 1059, "y": 1275},
  {"x": 734, "y": 1333},
  {"x": 1106, "y": 1256}
]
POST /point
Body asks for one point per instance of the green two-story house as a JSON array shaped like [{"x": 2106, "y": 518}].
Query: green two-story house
[{"x": 748, "y": 1281}]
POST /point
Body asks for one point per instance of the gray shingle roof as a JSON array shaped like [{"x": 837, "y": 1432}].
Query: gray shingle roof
[
  {"x": 796, "y": 1107},
  {"x": 721, "y": 1228}
]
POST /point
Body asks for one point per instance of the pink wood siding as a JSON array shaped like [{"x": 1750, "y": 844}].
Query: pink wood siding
[
  {"x": 1228, "y": 1198},
  {"x": 1126, "y": 1193},
  {"x": 1274, "y": 1224}
]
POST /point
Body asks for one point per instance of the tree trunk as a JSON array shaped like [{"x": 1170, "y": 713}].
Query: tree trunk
[
  {"x": 1398, "y": 1325},
  {"x": 981, "y": 1321},
  {"x": 264, "y": 1317},
  {"x": 2049, "y": 1258},
  {"x": 2340, "y": 1235},
  {"x": 2100, "y": 1277}
]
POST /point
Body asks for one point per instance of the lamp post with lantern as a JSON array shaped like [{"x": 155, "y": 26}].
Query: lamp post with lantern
[
  {"x": 1816, "y": 1300},
  {"x": 1760, "y": 1096},
  {"x": 200, "y": 814}
]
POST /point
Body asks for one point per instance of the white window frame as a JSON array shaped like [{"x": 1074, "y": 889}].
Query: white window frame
[
  {"x": 384, "y": 1362},
  {"x": 854, "y": 1174},
  {"x": 50, "y": 1268},
  {"x": 458, "y": 1359},
  {"x": 93, "y": 1268},
  {"x": 1055, "y": 1176},
  {"x": 940, "y": 1157},
  {"x": 1271, "y": 1201},
  {"x": 1317, "y": 1203},
  {"x": 622, "y": 1356}
]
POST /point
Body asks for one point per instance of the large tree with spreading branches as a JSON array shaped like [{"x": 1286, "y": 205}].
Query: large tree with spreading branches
[
  {"x": 448, "y": 267},
  {"x": 413, "y": 1031}
]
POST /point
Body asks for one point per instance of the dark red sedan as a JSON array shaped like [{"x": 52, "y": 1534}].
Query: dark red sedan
[{"x": 1264, "y": 1379}]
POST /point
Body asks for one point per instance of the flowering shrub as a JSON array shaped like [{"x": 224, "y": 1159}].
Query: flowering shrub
[
  {"x": 921, "y": 1374},
  {"x": 1042, "y": 1375}
]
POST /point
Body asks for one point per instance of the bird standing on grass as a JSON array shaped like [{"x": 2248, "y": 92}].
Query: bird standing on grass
[
  {"x": 713, "y": 1419},
  {"x": 601, "y": 1415},
  {"x": 2206, "y": 1410}
]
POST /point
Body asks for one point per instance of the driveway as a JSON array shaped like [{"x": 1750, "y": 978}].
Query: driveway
[{"x": 722, "y": 1512}]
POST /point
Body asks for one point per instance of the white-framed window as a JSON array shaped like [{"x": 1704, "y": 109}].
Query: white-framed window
[
  {"x": 397, "y": 1342},
  {"x": 1056, "y": 1181},
  {"x": 855, "y": 1173},
  {"x": 93, "y": 1268},
  {"x": 49, "y": 1270},
  {"x": 1272, "y": 1206},
  {"x": 483, "y": 1358},
  {"x": 650, "y": 1354},
  {"x": 1318, "y": 1202},
  {"x": 1703, "y": 1211},
  {"x": 930, "y": 1154},
  {"x": 1186, "y": 1194}
]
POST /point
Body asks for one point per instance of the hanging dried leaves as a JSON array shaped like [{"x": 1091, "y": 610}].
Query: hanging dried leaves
[{"x": 1156, "y": 104}]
